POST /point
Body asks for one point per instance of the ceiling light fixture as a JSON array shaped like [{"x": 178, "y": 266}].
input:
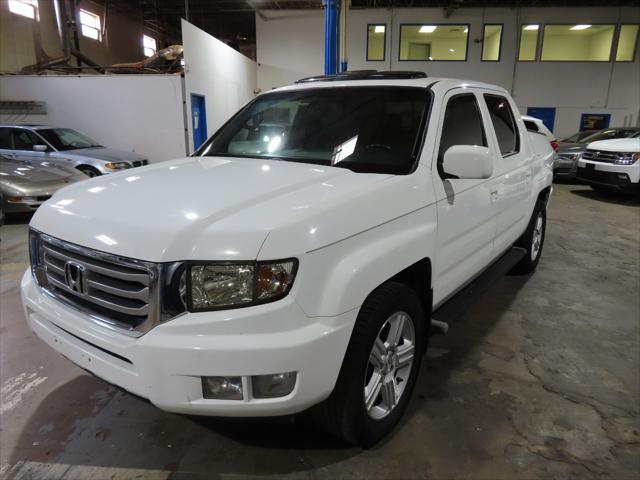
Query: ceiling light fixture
[
  {"x": 379, "y": 29},
  {"x": 580, "y": 27},
  {"x": 532, "y": 27},
  {"x": 428, "y": 28}
]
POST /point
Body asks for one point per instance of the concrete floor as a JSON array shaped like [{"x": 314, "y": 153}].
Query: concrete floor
[{"x": 541, "y": 379}]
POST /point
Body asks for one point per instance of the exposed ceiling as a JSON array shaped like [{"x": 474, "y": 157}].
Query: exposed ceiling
[{"x": 233, "y": 21}]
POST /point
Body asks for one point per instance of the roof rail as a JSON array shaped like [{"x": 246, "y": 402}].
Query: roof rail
[{"x": 365, "y": 75}]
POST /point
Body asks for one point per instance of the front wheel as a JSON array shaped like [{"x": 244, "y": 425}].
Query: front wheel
[
  {"x": 379, "y": 370},
  {"x": 532, "y": 240}
]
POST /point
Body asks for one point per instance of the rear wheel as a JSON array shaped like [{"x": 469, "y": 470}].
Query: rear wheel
[
  {"x": 89, "y": 171},
  {"x": 379, "y": 370},
  {"x": 532, "y": 240}
]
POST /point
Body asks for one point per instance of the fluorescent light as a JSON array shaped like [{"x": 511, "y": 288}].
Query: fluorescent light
[
  {"x": 428, "y": 28},
  {"x": 580, "y": 27},
  {"x": 379, "y": 29},
  {"x": 466, "y": 29},
  {"x": 451, "y": 50},
  {"x": 532, "y": 27}
]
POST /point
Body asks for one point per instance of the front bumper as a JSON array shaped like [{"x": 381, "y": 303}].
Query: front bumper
[
  {"x": 565, "y": 166},
  {"x": 608, "y": 175},
  {"x": 166, "y": 364}
]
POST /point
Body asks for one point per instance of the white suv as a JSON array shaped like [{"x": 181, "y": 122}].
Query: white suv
[
  {"x": 611, "y": 165},
  {"x": 296, "y": 261}
]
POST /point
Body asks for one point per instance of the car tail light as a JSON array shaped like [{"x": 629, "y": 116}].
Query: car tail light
[{"x": 554, "y": 145}]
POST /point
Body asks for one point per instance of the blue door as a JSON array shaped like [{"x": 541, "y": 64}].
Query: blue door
[
  {"x": 198, "y": 120},
  {"x": 546, "y": 114}
]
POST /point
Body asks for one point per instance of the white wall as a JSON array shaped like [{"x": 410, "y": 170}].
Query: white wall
[
  {"x": 129, "y": 112},
  {"x": 226, "y": 78},
  {"x": 290, "y": 46}
]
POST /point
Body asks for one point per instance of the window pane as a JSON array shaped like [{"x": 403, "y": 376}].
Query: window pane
[
  {"x": 584, "y": 43},
  {"x": 528, "y": 43},
  {"x": 376, "y": 40},
  {"x": 433, "y": 42},
  {"x": 491, "y": 43},
  {"x": 89, "y": 32},
  {"x": 503, "y": 123},
  {"x": 25, "y": 8},
  {"x": 462, "y": 124},
  {"x": 23, "y": 139},
  {"x": 5, "y": 139},
  {"x": 368, "y": 129},
  {"x": 531, "y": 126},
  {"x": 627, "y": 43}
]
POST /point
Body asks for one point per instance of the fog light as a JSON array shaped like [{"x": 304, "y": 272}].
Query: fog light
[
  {"x": 275, "y": 385},
  {"x": 222, "y": 388}
]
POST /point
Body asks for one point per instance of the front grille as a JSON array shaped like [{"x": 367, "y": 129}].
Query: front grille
[
  {"x": 600, "y": 177},
  {"x": 600, "y": 156},
  {"x": 116, "y": 291},
  {"x": 140, "y": 163}
]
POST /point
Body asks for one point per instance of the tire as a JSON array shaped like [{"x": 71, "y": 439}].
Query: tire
[
  {"x": 345, "y": 413},
  {"x": 89, "y": 171},
  {"x": 532, "y": 240}
]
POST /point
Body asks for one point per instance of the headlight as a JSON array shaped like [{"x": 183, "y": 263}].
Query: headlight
[
  {"x": 117, "y": 165},
  {"x": 212, "y": 286},
  {"x": 627, "y": 158}
]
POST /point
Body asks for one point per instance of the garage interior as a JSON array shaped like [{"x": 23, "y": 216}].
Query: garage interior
[{"x": 538, "y": 379}]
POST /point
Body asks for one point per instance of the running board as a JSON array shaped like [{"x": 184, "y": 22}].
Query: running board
[{"x": 457, "y": 305}]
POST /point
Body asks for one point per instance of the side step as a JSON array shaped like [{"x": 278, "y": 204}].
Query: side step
[{"x": 455, "y": 307}]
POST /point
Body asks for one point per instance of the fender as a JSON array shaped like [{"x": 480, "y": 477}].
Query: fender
[{"x": 345, "y": 273}]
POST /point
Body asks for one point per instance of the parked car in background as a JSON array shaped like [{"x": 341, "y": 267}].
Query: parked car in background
[
  {"x": 26, "y": 183},
  {"x": 578, "y": 136},
  {"x": 569, "y": 151},
  {"x": 303, "y": 270},
  {"x": 67, "y": 147},
  {"x": 534, "y": 124},
  {"x": 611, "y": 165}
]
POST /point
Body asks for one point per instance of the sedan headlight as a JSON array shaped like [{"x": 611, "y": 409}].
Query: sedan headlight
[
  {"x": 213, "y": 286},
  {"x": 117, "y": 165},
  {"x": 627, "y": 158}
]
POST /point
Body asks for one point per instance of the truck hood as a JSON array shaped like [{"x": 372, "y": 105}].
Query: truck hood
[
  {"x": 623, "y": 145},
  {"x": 106, "y": 154},
  {"x": 215, "y": 208}
]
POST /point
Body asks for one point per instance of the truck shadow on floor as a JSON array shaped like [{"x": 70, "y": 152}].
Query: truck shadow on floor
[
  {"x": 609, "y": 197},
  {"x": 89, "y": 422}
]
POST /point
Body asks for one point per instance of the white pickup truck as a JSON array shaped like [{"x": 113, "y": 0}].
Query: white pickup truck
[{"x": 299, "y": 259}]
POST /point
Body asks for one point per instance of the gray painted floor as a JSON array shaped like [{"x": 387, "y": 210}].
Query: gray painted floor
[{"x": 541, "y": 379}]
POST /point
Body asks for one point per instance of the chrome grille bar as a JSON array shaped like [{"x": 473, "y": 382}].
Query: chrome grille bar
[
  {"x": 600, "y": 156},
  {"x": 117, "y": 292}
]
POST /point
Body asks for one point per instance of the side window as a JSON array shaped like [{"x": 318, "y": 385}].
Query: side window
[
  {"x": 462, "y": 124},
  {"x": 503, "y": 123},
  {"x": 23, "y": 139},
  {"x": 5, "y": 139}
]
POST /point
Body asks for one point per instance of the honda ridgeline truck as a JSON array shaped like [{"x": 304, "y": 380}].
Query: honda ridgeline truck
[{"x": 296, "y": 261}]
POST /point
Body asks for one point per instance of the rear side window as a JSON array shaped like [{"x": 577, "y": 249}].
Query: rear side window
[
  {"x": 503, "y": 123},
  {"x": 462, "y": 124},
  {"x": 531, "y": 126},
  {"x": 5, "y": 139}
]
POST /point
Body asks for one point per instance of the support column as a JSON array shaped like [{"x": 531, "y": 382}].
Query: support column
[{"x": 331, "y": 19}]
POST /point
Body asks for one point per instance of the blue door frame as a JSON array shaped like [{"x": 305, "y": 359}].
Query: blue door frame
[
  {"x": 546, "y": 114},
  {"x": 198, "y": 120}
]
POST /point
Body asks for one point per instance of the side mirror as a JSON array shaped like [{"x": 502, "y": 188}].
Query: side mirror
[
  {"x": 468, "y": 161},
  {"x": 40, "y": 148}
]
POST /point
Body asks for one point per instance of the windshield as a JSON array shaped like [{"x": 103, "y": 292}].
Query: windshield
[
  {"x": 609, "y": 134},
  {"x": 67, "y": 139},
  {"x": 577, "y": 137},
  {"x": 364, "y": 129}
]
